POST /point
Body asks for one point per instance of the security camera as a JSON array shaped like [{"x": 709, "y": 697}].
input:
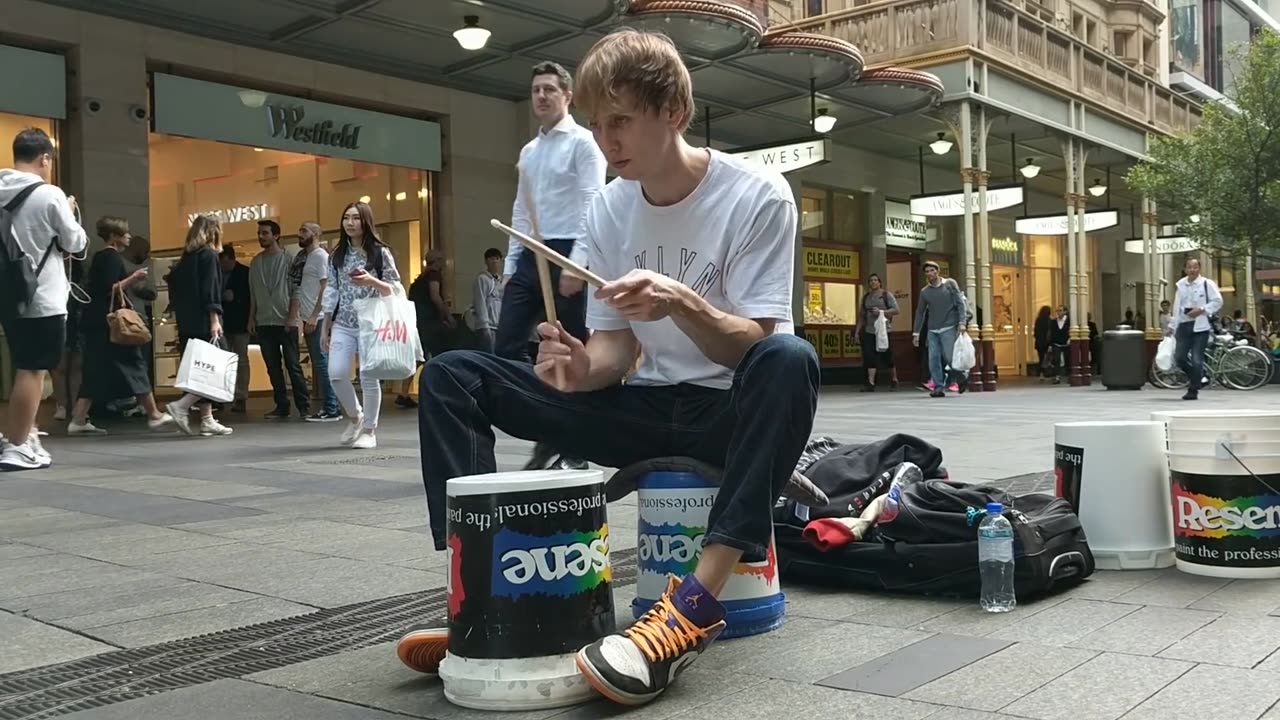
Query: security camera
[
  {"x": 137, "y": 113},
  {"x": 92, "y": 106}
]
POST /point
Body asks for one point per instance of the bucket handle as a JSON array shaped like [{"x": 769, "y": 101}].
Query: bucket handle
[{"x": 1227, "y": 447}]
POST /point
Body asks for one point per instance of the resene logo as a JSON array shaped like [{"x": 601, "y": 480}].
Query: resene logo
[
  {"x": 563, "y": 565},
  {"x": 1205, "y": 516},
  {"x": 669, "y": 549}
]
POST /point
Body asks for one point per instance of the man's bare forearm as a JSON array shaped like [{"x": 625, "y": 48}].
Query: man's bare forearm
[
  {"x": 613, "y": 353},
  {"x": 722, "y": 337}
]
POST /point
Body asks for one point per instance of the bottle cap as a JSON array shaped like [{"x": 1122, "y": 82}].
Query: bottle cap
[{"x": 995, "y": 508}]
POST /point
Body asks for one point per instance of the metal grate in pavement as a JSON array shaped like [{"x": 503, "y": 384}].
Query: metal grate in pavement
[{"x": 122, "y": 675}]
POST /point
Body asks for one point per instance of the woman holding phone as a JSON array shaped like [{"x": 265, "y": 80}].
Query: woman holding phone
[
  {"x": 361, "y": 267},
  {"x": 195, "y": 294}
]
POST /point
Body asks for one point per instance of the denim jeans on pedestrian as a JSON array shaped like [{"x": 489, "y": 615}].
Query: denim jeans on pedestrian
[
  {"x": 320, "y": 369},
  {"x": 1189, "y": 350},
  {"x": 279, "y": 347},
  {"x": 941, "y": 343},
  {"x": 756, "y": 430}
]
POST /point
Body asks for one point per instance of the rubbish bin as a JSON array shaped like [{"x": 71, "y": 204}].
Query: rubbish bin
[{"x": 1124, "y": 359}]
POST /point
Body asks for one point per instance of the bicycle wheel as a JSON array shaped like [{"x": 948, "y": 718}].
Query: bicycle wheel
[
  {"x": 1244, "y": 367},
  {"x": 1171, "y": 379}
]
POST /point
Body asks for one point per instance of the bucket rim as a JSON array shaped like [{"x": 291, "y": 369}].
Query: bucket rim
[
  {"x": 1106, "y": 423},
  {"x": 521, "y": 481},
  {"x": 1176, "y": 414}
]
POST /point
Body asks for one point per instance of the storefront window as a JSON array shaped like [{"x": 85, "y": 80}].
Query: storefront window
[
  {"x": 834, "y": 224},
  {"x": 1186, "y": 36},
  {"x": 813, "y": 215}
]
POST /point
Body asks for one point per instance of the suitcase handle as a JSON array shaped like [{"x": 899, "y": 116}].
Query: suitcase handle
[{"x": 1067, "y": 565}]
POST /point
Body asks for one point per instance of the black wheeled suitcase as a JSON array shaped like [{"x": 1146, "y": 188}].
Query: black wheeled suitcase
[{"x": 932, "y": 546}]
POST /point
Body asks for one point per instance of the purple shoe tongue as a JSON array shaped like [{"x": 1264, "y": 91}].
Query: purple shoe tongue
[{"x": 697, "y": 604}]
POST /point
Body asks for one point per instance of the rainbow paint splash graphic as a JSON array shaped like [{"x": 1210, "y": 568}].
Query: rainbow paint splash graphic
[
  {"x": 1206, "y": 516},
  {"x": 669, "y": 549},
  {"x": 765, "y": 571},
  {"x": 561, "y": 565}
]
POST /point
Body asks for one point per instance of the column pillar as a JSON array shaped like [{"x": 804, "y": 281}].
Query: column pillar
[
  {"x": 1250, "y": 297},
  {"x": 1073, "y": 288},
  {"x": 984, "y": 335},
  {"x": 1080, "y": 324},
  {"x": 1151, "y": 273}
]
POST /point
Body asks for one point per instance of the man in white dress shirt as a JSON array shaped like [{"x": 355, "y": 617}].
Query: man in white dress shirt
[
  {"x": 562, "y": 169},
  {"x": 1198, "y": 299}
]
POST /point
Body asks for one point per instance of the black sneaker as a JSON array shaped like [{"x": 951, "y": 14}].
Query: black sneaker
[
  {"x": 636, "y": 665},
  {"x": 422, "y": 648},
  {"x": 565, "y": 463},
  {"x": 541, "y": 460},
  {"x": 406, "y": 402},
  {"x": 277, "y": 414},
  {"x": 323, "y": 416},
  {"x": 868, "y": 388},
  {"x": 937, "y": 393},
  {"x": 1192, "y": 395}
]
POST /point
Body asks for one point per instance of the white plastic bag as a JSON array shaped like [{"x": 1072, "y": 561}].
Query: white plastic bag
[
  {"x": 389, "y": 344},
  {"x": 208, "y": 371},
  {"x": 963, "y": 357},
  {"x": 1164, "y": 353},
  {"x": 882, "y": 332}
]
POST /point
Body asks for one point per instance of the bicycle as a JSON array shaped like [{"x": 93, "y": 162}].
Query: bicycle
[{"x": 1229, "y": 361}]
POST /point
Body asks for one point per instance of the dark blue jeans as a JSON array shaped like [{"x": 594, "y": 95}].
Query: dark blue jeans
[
  {"x": 1189, "y": 352},
  {"x": 756, "y": 430},
  {"x": 320, "y": 365},
  {"x": 522, "y": 306}
]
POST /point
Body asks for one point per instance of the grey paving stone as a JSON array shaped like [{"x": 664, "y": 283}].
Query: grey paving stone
[
  {"x": 781, "y": 698},
  {"x": 1221, "y": 693},
  {"x": 1271, "y": 664},
  {"x": 233, "y": 699},
  {"x": 914, "y": 665},
  {"x": 804, "y": 652},
  {"x": 969, "y": 619},
  {"x": 696, "y": 688},
  {"x": 1110, "y": 584},
  {"x": 30, "y": 643},
  {"x": 1103, "y": 688},
  {"x": 28, "y": 522},
  {"x": 62, "y": 576},
  {"x": 1146, "y": 631},
  {"x": 1237, "y": 640},
  {"x": 128, "y": 543},
  {"x": 1173, "y": 589},
  {"x": 999, "y": 679},
  {"x": 131, "y": 507},
  {"x": 373, "y": 677},
  {"x": 189, "y": 623},
  {"x": 1259, "y": 597},
  {"x": 16, "y": 551},
  {"x": 177, "y": 487},
  {"x": 128, "y": 602},
  {"x": 902, "y": 611},
  {"x": 330, "y": 582},
  {"x": 1064, "y": 623}
]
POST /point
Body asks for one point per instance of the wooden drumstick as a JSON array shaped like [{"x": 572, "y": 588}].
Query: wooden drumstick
[
  {"x": 543, "y": 251},
  {"x": 544, "y": 270}
]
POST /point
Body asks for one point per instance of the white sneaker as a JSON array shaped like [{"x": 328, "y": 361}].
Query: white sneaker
[
  {"x": 182, "y": 420},
  {"x": 367, "y": 440},
  {"x": 164, "y": 423},
  {"x": 60, "y": 414},
  {"x": 84, "y": 428},
  {"x": 23, "y": 457},
  {"x": 34, "y": 441},
  {"x": 210, "y": 427},
  {"x": 352, "y": 433}
]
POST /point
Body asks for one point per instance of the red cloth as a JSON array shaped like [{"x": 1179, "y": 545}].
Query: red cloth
[{"x": 828, "y": 534}]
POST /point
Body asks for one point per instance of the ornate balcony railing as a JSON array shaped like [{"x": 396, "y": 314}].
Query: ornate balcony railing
[{"x": 1011, "y": 33}]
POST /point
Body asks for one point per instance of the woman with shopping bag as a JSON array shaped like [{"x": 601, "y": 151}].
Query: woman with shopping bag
[
  {"x": 114, "y": 336},
  {"x": 195, "y": 296},
  {"x": 361, "y": 270}
]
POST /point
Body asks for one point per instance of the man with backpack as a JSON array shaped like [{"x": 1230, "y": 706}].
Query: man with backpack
[{"x": 38, "y": 230}]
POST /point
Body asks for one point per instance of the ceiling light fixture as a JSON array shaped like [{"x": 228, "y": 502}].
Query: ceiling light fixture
[
  {"x": 365, "y": 199},
  {"x": 1194, "y": 219},
  {"x": 1029, "y": 170},
  {"x": 941, "y": 146},
  {"x": 1097, "y": 189},
  {"x": 471, "y": 36},
  {"x": 252, "y": 98},
  {"x": 823, "y": 122}
]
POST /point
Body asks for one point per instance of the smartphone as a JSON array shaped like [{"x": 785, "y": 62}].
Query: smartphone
[{"x": 358, "y": 272}]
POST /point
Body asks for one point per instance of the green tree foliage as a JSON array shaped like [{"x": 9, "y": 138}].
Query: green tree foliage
[{"x": 1226, "y": 170}]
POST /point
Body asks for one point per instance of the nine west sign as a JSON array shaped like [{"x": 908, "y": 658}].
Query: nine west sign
[
  {"x": 286, "y": 121},
  {"x": 786, "y": 157},
  {"x": 227, "y": 113}
]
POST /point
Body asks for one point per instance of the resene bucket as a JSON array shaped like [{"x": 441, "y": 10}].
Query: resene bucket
[
  {"x": 673, "y": 510},
  {"x": 529, "y": 584},
  {"x": 1224, "y": 487}
]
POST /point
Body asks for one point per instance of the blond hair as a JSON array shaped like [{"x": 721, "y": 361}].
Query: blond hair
[
  {"x": 205, "y": 231},
  {"x": 645, "y": 65},
  {"x": 110, "y": 226}
]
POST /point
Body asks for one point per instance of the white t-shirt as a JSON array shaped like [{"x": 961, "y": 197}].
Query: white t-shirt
[
  {"x": 732, "y": 240},
  {"x": 314, "y": 271}
]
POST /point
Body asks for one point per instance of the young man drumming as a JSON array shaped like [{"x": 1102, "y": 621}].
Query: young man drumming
[{"x": 698, "y": 249}]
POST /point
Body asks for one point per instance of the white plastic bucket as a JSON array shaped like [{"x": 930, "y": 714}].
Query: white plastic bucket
[
  {"x": 1226, "y": 493},
  {"x": 673, "y": 522},
  {"x": 1114, "y": 475},
  {"x": 529, "y": 584}
]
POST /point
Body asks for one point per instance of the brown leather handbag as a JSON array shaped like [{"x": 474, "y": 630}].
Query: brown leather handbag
[{"x": 124, "y": 323}]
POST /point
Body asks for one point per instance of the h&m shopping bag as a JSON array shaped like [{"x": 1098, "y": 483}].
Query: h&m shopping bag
[
  {"x": 389, "y": 345},
  {"x": 208, "y": 371}
]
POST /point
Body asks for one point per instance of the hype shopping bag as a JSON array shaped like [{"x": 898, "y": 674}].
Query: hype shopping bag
[
  {"x": 389, "y": 345},
  {"x": 208, "y": 371}
]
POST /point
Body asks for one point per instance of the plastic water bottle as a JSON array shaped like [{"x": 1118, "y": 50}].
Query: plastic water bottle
[{"x": 995, "y": 560}]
